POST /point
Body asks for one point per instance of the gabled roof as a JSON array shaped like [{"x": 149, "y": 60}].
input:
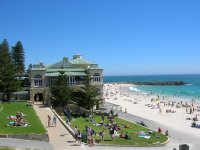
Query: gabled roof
[
  {"x": 80, "y": 61},
  {"x": 67, "y": 67},
  {"x": 64, "y": 64}
]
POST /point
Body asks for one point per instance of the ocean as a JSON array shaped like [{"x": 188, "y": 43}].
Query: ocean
[{"x": 190, "y": 91}]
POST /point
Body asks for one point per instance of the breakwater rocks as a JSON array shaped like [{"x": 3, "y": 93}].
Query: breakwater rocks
[{"x": 160, "y": 83}]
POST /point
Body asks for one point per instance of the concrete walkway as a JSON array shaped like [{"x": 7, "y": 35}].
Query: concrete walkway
[
  {"x": 20, "y": 144},
  {"x": 59, "y": 137}
]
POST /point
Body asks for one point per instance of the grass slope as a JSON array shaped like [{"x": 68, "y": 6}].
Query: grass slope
[
  {"x": 11, "y": 109},
  {"x": 135, "y": 139}
]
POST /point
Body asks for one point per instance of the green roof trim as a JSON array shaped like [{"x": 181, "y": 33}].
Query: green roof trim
[{"x": 55, "y": 74}]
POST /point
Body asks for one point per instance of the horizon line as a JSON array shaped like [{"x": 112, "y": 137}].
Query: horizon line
[{"x": 153, "y": 74}]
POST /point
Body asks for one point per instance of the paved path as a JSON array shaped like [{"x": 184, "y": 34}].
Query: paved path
[
  {"x": 24, "y": 144},
  {"x": 59, "y": 137}
]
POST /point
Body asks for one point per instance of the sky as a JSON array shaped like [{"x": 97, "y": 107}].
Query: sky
[{"x": 125, "y": 37}]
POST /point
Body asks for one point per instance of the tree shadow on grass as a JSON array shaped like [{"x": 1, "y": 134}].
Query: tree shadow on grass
[{"x": 107, "y": 140}]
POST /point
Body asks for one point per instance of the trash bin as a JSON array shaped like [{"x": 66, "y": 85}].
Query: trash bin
[
  {"x": 84, "y": 137},
  {"x": 184, "y": 147}
]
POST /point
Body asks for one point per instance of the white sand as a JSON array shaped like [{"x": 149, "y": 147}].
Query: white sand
[{"x": 117, "y": 94}]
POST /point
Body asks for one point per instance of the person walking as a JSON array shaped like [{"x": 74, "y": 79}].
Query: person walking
[
  {"x": 79, "y": 136},
  {"x": 159, "y": 130},
  {"x": 49, "y": 121},
  {"x": 54, "y": 120}
]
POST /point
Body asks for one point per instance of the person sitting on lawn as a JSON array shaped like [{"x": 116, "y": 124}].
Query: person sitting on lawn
[
  {"x": 11, "y": 117},
  {"x": 92, "y": 120},
  {"x": 20, "y": 122},
  {"x": 101, "y": 134},
  {"x": 92, "y": 132},
  {"x": 122, "y": 135},
  {"x": 127, "y": 136},
  {"x": 126, "y": 126},
  {"x": 18, "y": 115}
]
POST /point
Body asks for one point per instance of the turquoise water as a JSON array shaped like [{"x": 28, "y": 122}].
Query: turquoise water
[{"x": 191, "y": 90}]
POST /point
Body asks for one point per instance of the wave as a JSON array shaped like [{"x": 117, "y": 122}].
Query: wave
[
  {"x": 189, "y": 84},
  {"x": 144, "y": 93},
  {"x": 187, "y": 92},
  {"x": 134, "y": 89}
]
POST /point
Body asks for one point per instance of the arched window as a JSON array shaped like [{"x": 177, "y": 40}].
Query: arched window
[
  {"x": 96, "y": 77},
  {"x": 37, "y": 80}
]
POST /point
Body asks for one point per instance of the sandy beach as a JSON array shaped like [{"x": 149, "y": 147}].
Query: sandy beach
[{"x": 169, "y": 111}]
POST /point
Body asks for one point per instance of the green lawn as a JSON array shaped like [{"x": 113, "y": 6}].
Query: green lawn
[
  {"x": 133, "y": 132},
  {"x": 6, "y": 148},
  {"x": 11, "y": 109}
]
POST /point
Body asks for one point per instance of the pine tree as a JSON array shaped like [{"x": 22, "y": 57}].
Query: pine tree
[
  {"x": 18, "y": 57},
  {"x": 7, "y": 72},
  {"x": 88, "y": 96},
  {"x": 60, "y": 91}
]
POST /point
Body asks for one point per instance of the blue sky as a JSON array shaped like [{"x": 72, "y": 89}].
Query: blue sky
[{"x": 125, "y": 37}]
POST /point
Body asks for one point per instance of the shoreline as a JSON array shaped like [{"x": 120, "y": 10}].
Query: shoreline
[
  {"x": 168, "y": 112},
  {"x": 178, "y": 97}
]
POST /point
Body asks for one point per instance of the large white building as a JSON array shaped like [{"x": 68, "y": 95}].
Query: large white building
[{"x": 76, "y": 69}]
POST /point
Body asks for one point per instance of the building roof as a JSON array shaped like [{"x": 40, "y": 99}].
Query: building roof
[
  {"x": 80, "y": 61},
  {"x": 70, "y": 67},
  {"x": 62, "y": 64}
]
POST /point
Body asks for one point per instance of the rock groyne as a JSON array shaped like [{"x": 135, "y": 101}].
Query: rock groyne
[{"x": 161, "y": 83}]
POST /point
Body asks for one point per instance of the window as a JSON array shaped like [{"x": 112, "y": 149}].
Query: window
[
  {"x": 37, "y": 80},
  {"x": 71, "y": 80},
  {"x": 52, "y": 80},
  {"x": 96, "y": 78}
]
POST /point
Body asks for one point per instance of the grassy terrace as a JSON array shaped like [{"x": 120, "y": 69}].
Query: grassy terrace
[
  {"x": 132, "y": 131},
  {"x": 11, "y": 109}
]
